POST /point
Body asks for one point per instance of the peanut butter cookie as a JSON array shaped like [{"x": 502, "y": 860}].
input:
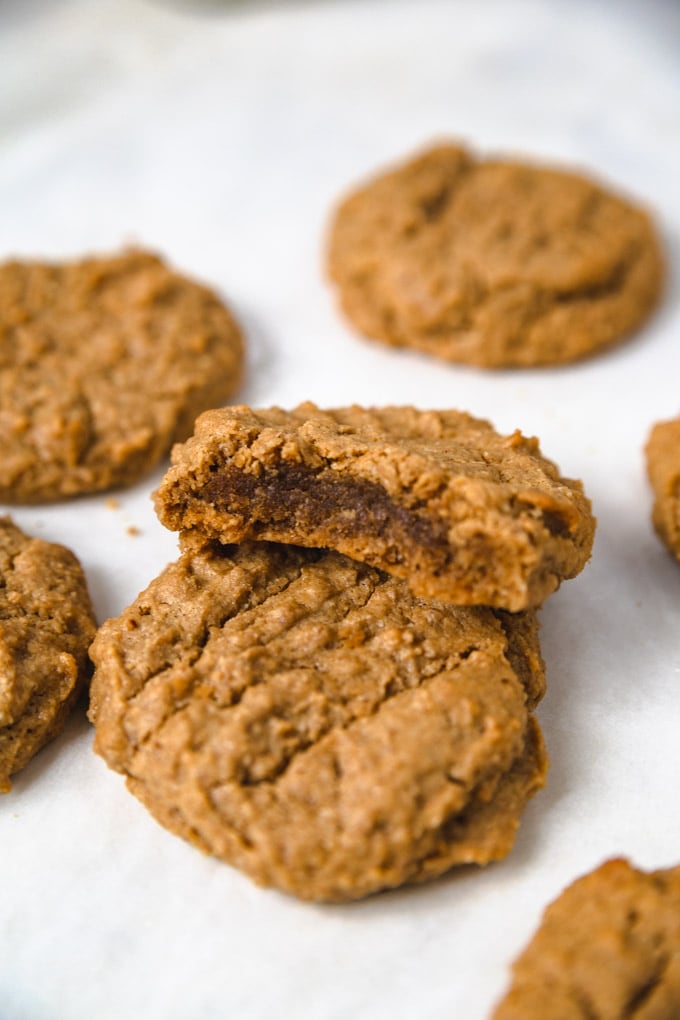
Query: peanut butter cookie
[
  {"x": 608, "y": 947},
  {"x": 663, "y": 466},
  {"x": 46, "y": 626},
  {"x": 493, "y": 263},
  {"x": 436, "y": 497},
  {"x": 104, "y": 363},
  {"x": 309, "y": 720}
]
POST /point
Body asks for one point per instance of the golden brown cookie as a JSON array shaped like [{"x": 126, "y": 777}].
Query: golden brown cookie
[
  {"x": 493, "y": 263},
  {"x": 607, "y": 948},
  {"x": 663, "y": 466},
  {"x": 46, "y": 626},
  {"x": 307, "y": 719},
  {"x": 104, "y": 363},
  {"x": 436, "y": 497}
]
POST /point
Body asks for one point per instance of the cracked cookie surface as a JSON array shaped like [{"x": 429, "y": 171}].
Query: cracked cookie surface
[
  {"x": 493, "y": 263},
  {"x": 46, "y": 626},
  {"x": 436, "y": 497},
  {"x": 663, "y": 468},
  {"x": 310, "y": 721},
  {"x": 104, "y": 363},
  {"x": 608, "y": 947}
]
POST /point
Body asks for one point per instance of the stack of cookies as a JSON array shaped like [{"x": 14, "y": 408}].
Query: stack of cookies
[{"x": 333, "y": 687}]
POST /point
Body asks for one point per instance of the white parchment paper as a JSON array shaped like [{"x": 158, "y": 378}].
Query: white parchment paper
[{"x": 221, "y": 135}]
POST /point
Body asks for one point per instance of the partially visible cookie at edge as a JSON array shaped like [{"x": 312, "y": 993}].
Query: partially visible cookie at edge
[
  {"x": 439, "y": 498},
  {"x": 307, "y": 719},
  {"x": 493, "y": 263},
  {"x": 663, "y": 468},
  {"x": 608, "y": 947},
  {"x": 46, "y": 626},
  {"x": 104, "y": 363}
]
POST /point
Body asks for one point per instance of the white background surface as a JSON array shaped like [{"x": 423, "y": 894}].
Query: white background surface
[{"x": 221, "y": 135}]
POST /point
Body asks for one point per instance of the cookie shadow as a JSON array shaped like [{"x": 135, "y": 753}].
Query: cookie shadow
[
  {"x": 224, "y": 8},
  {"x": 598, "y": 636},
  {"x": 50, "y": 759},
  {"x": 102, "y": 597},
  {"x": 666, "y": 309},
  {"x": 262, "y": 358}
]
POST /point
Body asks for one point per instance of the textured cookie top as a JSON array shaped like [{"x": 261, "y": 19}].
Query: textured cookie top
[
  {"x": 436, "y": 497},
  {"x": 663, "y": 466},
  {"x": 46, "y": 626},
  {"x": 609, "y": 947},
  {"x": 104, "y": 363},
  {"x": 494, "y": 263},
  {"x": 307, "y": 719}
]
